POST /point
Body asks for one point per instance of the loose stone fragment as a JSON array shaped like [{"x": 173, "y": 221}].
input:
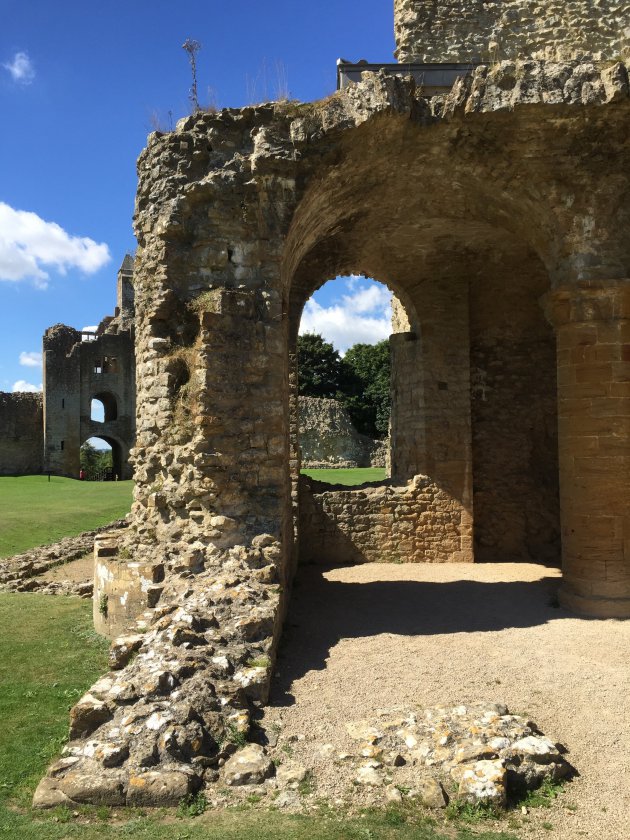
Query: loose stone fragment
[
  {"x": 484, "y": 781},
  {"x": 249, "y": 766},
  {"x": 290, "y": 775},
  {"x": 161, "y": 788}
]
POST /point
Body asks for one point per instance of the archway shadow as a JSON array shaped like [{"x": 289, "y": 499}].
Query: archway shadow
[{"x": 322, "y": 612}]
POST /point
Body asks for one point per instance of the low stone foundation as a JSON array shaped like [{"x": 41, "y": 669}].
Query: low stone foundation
[
  {"x": 381, "y": 523},
  {"x": 21, "y": 572},
  {"x": 123, "y": 589},
  {"x": 164, "y": 725}
]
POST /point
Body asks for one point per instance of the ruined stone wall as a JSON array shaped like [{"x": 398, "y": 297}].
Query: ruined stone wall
[
  {"x": 233, "y": 210},
  {"x": 413, "y": 523},
  {"x": 493, "y": 30},
  {"x": 328, "y": 438},
  {"x": 76, "y": 371},
  {"x": 21, "y": 434}
]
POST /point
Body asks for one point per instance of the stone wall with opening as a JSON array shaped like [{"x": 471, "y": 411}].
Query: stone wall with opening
[
  {"x": 240, "y": 215},
  {"x": 82, "y": 367}
]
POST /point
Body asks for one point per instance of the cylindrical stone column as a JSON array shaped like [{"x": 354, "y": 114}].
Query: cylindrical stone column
[{"x": 592, "y": 324}]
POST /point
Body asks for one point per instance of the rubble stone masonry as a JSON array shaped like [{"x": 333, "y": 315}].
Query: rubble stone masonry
[
  {"x": 495, "y": 30},
  {"x": 472, "y": 207}
]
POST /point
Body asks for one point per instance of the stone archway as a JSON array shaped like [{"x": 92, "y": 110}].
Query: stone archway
[{"x": 236, "y": 210}]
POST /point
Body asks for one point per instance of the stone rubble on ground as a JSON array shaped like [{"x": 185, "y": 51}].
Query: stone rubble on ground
[{"x": 24, "y": 572}]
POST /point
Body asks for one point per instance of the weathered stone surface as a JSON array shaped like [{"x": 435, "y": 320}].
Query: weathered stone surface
[
  {"x": 514, "y": 179},
  {"x": 158, "y": 788},
  {"x": 482, "y": 748},
  {"x": 413, "y": 523},
  {"x": 478, "y": 30},
  {"x": 249, "y": 766},
  {"x": 22, "y": 433},
  {"x": 431, "y": 793},
  {"x": 328, "y": 438},
  {"x": 290, "y": 774}
]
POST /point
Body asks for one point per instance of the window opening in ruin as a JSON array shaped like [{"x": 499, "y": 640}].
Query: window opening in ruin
[
  {"x": 344, "y": 380},
  {"x": 100, "y": 459},
  {"x": 103, "y": 408},
  {"x": 110, "y": 364},
  {"x": 62, "y": 444},
  {"x": 98, "y": 366},
  {"x": 63, "y": 403}
]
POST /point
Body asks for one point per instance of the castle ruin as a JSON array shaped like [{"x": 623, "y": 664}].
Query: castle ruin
[
  {"x": 497, "y": 210},
  {"x": 44, "y": 432}
]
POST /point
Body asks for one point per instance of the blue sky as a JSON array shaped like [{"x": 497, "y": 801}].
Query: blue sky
[{"x": 80, "y": 84}]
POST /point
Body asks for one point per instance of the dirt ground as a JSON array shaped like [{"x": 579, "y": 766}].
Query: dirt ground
[
  {"x": 76, "y": 571},
  {"x": 365, "y": 637}
]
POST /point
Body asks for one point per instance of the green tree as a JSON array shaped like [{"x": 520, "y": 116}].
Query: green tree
[
  {"x": 320, "y": 368},
  {"x": 366, "y": 392},
  {"x": 95, "y": 461}
]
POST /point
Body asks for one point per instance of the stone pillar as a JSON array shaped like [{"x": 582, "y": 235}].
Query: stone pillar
[
  {"x": 592, "y": 324},
  {"x": 431, "y": 428}
]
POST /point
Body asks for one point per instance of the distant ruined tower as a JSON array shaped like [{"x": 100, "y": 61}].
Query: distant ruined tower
[
  {"x": 80, "y": 367},
  {"x": 485, "y": 31}
]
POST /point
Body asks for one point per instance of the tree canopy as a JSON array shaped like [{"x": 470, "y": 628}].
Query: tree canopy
[
  {"x": 359, "y": 380},
  {"x": 95, "y": 461},
  {"x": 321, "y": 370}
]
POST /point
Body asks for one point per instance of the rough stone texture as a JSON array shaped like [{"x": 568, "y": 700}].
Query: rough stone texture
[
  {"x": 157, "y": 729},
  {"x": 240, "y": 216},
  {"x": 21, "y": 433},
  {"x": 489, "y": 30},
  {"x": 478, "y": 753},
  {"x": 20, "y": 573},
  {"x": 78, "y": 370},
  {"x": 123, "y": 588},
  {"x": 414, "y": 523},
  {"x": 328, "y": 438}
]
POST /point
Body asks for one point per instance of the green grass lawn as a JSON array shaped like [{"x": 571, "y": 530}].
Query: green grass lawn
[
  {"x": 348, "y": 477},
  {"x": 34, "y": 511},
  {"x": 48, "y": 656}
]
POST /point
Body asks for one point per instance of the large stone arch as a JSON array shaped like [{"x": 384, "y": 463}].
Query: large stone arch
[{"x": 523, "y": 166}]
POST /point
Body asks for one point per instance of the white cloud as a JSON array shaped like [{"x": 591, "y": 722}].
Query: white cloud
[
  {"x": 27, "y": 243},
  {"x": 362, "y": 316},
  {"x": 23, "y": 385},
  {"x": 21, "y": 68},
  {"x": 31, "y": 359}
]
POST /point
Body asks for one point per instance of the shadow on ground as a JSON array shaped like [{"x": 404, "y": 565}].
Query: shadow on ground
[{"x": 322, "y": 612}]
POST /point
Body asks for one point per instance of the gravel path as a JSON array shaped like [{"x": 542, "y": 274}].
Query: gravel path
[{"x": 365, "y": 637}]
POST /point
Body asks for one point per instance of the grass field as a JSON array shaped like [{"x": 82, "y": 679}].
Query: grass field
[
  {"x": 48, "y": 656},
  {"x": 34, "y": 511},
  {"x": 348, "y": 477}
]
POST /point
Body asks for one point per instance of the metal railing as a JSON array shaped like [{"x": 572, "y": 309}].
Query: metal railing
[{"x": 432, "y": 78}]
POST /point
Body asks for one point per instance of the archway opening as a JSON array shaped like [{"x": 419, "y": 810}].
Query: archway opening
[
  {"x": 475, "y": 427},
  {"x": 101, "y": 459},
  {"x": 343, "y": 381},
  {"x": 103, "y": 408}
]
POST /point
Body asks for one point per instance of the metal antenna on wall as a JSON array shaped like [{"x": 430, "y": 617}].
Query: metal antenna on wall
[{"x": 192, "y": 48}]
